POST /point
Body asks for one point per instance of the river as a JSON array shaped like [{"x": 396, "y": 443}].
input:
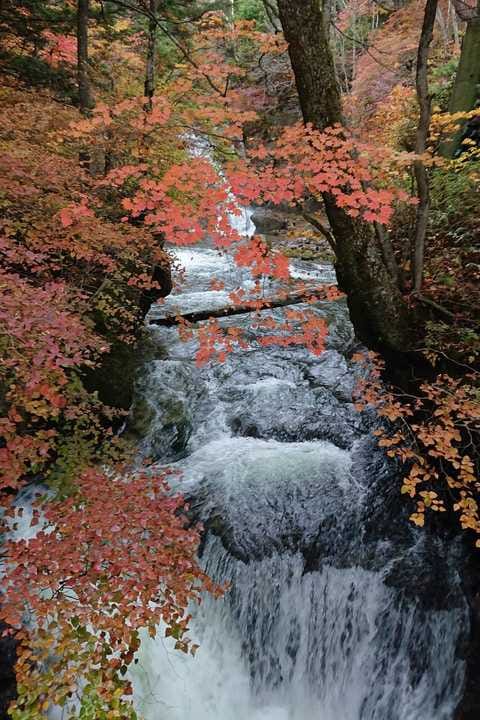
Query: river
[{"x": 338, "y": 608}]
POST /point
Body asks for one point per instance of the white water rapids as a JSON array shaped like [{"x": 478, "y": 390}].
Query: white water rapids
[{"x": 338, "y": 608}]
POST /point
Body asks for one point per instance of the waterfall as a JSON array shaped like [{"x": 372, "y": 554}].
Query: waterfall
[
  {"x": 337, "y": 608},
  {"x": 285, "y": 645}
]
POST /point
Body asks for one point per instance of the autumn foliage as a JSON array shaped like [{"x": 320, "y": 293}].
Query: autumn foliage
[
  {"x": 434, "y": 435},
  {"x": 89, "y": 204},
  {"x": 113, "y": 558}
]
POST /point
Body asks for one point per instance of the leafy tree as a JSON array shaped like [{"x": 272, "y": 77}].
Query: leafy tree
[
  {"x": 364, "y": 259},
  {"x": 27, "y": 29}
]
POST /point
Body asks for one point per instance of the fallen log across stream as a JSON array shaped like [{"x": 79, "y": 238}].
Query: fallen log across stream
[{"x": 311, "y": 294}]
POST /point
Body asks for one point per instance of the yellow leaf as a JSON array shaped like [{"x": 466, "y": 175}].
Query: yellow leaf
[{"x": 418, "y": 519}]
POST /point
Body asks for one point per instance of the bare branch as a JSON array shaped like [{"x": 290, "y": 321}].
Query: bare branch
[{"x": 318, "y": 225}]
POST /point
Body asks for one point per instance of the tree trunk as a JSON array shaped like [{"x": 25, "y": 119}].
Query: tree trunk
[
  {"x": 421, "y": 175},
  {"x": 151, "y": 53},
  {"x": 85, "y": 98},
  {"x": 377, "y": 309},
  {"x": 467, "y": 80}
]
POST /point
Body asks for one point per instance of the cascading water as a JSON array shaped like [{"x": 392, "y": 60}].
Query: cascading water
[{"x": 338, "y": 609}]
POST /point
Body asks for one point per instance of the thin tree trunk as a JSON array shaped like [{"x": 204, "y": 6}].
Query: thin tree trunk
[
  {"x": 443, "y": 25},
  {"x": 377, "y": 309},
  {"x": 231, "y": 48},
  {"x": 455, "y": 31},
  {"x": 85, "y": 98},
  {"x": 421, "y": 175},
  {"x": 467, "y": 80},
  {"x": 151, "y": 54}
]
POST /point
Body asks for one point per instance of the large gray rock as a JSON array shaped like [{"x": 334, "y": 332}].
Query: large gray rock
[{"x": 267, "y": 220}]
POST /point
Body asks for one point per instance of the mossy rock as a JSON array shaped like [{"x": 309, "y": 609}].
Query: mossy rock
[
  {"x": 142, "y": 415},
  {"x": 113, "y": 379}
]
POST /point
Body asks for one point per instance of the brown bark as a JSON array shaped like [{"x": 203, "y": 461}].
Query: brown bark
[
  {"x": 377, "y": 309},
  {"x": 85, "y": 98},
  {"x": 421, "y": 174},
  {"x": 151, "y": 52},
  {"x": 312, "y": 62}
]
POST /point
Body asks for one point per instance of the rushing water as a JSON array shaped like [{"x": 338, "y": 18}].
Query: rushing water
[{"x": 338, "y": 608}]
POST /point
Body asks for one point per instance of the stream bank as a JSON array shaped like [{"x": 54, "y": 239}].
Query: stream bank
[{"x": 112, "y": 380}]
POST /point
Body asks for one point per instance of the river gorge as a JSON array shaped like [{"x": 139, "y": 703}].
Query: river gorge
[{"x": 338, "y": 608}]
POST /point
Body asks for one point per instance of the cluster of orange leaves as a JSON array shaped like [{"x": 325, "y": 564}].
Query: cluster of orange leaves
[
  {"x": 444, "y": 125},
  {"x": 190, "y": 200},
  {"x": 332, "y": 162},
  {"x": 434, "y": 434},
  {"x": 59, "y": 49}
]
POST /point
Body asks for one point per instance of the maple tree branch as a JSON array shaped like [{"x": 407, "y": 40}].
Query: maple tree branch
[
  {"x": 159, "y": 20},
  {"x": 105, "y": 282},
  {"x": 187, "y": 56},
  {"x": 452, "y": 360}
]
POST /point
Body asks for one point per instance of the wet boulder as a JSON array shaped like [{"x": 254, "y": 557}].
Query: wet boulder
[
  {"x": 161, "y": 417},
  {"x": 262, "y": 497}
]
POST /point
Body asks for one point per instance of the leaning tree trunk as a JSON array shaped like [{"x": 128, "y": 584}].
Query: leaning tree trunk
[
  {"x": 467, "y": 80},
  {"x": 377, "y": 309}
]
